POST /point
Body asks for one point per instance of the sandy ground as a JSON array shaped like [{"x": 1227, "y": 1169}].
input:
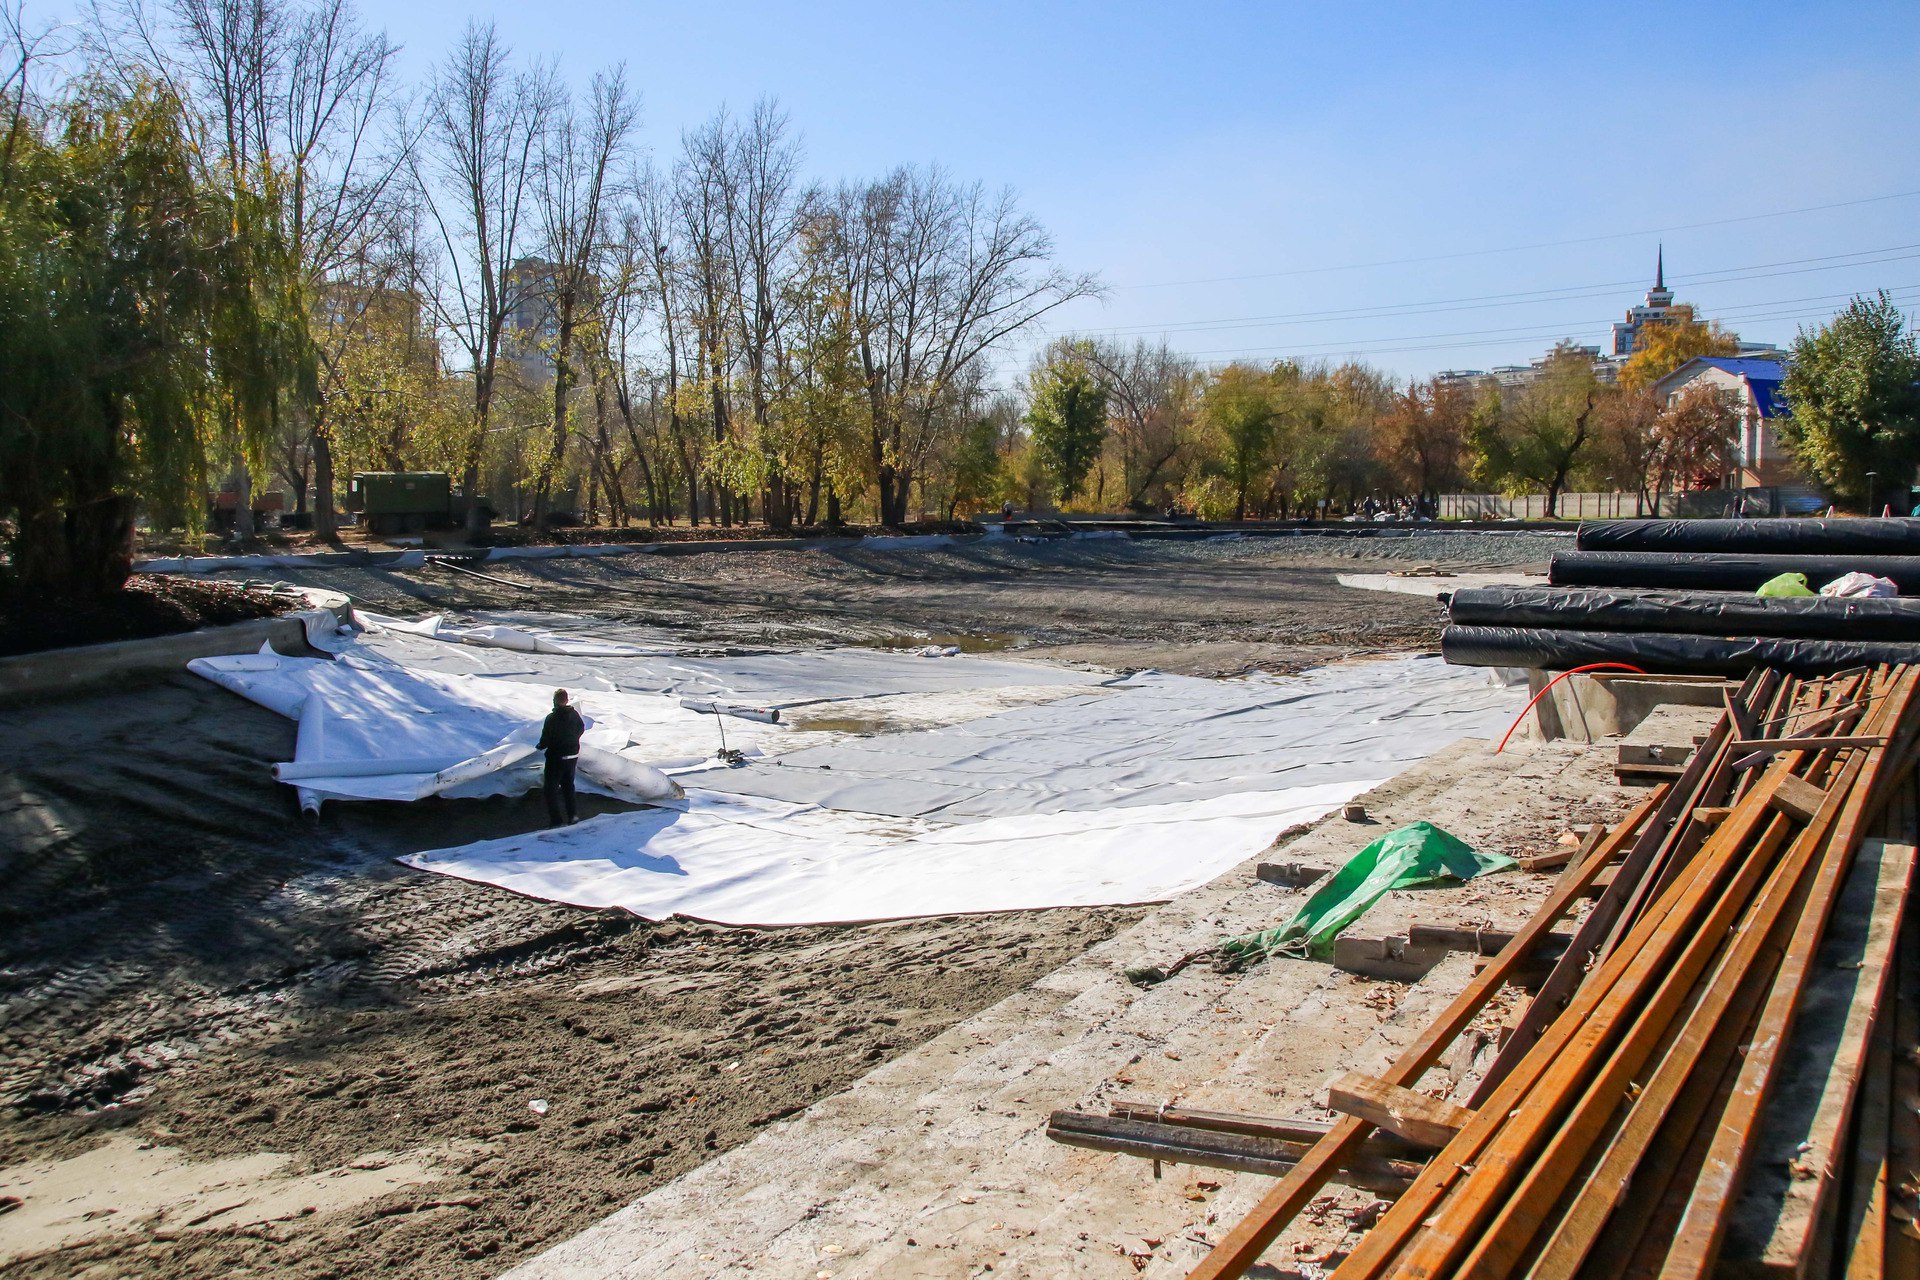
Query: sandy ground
[{"x": 232, "y": 1042}]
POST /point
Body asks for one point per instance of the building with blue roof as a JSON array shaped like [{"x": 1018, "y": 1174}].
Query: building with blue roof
[{"x": 1760, "y": 460}]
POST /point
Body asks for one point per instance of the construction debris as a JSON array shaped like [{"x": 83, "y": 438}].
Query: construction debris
[{"x": 1716, "y": 1076}]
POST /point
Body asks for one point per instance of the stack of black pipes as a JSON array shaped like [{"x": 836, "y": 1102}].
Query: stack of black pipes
[{"x": 1676, "y": 596}]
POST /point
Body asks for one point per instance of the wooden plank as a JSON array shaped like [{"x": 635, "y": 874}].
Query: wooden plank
[
  {"x": 1660, "y": 834},
  {"x": 1537, "y": 1154},
  {"x": 1798, "y": 798},
  {"x": 1398, "y": 1110},
  {"x": 1241, "y": 1247},
  {"x": 1737, "y": 713},
  {"x": 1810, "y": 743},
  {"x": 1819, "y": 852},
  {"x": 1783, "y": 1220},
  {"x": 1863, "y": 1220},
  {"x": 1711, "y": 815},
  {"x": 1696, "y": 1246},
  {"x": 1577, "y": 853},
  {"x": 1485, "y": 1197},
  {"x": 1387, "y": 1146},
  {"x": 1667, "y": 949},
  {"x": 1213, "y": 1150},
  {"x": 1903, "y": 1141},
  {"x": 1648, "y": 772}
]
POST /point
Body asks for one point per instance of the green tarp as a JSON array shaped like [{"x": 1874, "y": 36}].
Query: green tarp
[{"x": 1413, "y": 855}]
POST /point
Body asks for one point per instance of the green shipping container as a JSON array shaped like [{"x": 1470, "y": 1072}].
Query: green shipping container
[{"x": 400, "y": 493}]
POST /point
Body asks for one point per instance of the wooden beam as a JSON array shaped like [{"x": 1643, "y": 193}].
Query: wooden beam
[
  {"x": 1797, "y": 798},
  {"x": 1737, "y": 712},
  {"x": 1785, "y": 1221},
  {"x": 1211, "y": 1149},
  {"x": 1659, "y": 832},
  {"x": 1413, "y": 1116},
  {"x": 1696, "y": 1245},
  {"x": 1811, "y": 743},
  {"x": 1386, "y": 1146},
  {"x": 1571, "y": 853}
]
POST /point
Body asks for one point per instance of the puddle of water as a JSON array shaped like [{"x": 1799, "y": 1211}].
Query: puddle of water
[
  {"x": 839, "y": 724},
  {"x": 964, "y": 643}
]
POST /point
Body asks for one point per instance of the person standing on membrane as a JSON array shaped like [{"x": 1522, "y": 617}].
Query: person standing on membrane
[{"x": 560, "y": 739}]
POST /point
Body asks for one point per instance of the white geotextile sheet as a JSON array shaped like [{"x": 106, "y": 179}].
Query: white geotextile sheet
[
  {"x": 400, "y": 734},
  {"x": 738, "y": 860},
  {"x": 591, "y": 655},
  {"x": 412, "y": 709},
  {"x": 1128, "y": 795},
  {"x": 1119, "y": 791},
  {"x": 1151, "y": 739}
]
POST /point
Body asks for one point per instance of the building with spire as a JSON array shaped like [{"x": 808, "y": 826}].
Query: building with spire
[{"x": 1657, "y": 309}]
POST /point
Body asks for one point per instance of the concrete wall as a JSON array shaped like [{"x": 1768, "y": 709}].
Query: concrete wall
[{"x": 1586, "y": 708}]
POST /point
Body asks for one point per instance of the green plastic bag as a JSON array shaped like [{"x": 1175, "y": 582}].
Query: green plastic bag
[
  {"x": 1786, "y": 585},
  {"x": 1413, "y": 855}
]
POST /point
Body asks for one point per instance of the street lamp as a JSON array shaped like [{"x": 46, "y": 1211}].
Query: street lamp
[{"x": 1870, "y": 476}]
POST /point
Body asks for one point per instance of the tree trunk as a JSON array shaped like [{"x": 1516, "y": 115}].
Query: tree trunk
[
  {"x": 242, "y": 482},
  {"x": 323, "y": 521}
]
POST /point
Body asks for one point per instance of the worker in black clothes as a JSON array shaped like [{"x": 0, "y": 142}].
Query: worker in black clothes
[{"x": 560, "y": 739}]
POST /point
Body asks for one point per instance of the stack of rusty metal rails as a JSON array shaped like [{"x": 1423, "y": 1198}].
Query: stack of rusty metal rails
[{"x": 1624, "y": 1127}]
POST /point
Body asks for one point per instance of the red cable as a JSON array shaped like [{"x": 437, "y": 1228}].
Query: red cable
[{"x": 1591, "y": 666}]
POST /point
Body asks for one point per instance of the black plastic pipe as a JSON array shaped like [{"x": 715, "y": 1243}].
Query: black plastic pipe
[
  {"x": 1719, "y": 571},
  {"x": 1555, "y": 650},
  {"x": 1711, "y": 613},
  {"x": 1840, "y": 537}
]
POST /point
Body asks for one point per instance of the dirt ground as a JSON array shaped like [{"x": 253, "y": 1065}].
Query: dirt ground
[
  {"x": 1200, "y": 608},
  {"x": 149, "y": 605},
  {"x": 257, "y": 1045}
]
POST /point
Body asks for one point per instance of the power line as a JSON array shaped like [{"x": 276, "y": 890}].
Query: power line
[
  {"x": 1485, "y": 337},
  {"x": 1526, "y": 248},
  {"x": 1475, "y": 302}
]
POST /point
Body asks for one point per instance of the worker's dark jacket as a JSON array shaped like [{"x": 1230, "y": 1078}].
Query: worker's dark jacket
[{"x": 560, "y": 735}]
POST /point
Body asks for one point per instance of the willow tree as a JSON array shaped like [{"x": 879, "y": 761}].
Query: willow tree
[{"x": 147, "y": 319}]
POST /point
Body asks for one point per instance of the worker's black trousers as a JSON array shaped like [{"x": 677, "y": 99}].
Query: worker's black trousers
[{"x": 558, "y": 786}]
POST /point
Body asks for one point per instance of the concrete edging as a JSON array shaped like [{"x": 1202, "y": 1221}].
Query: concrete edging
[{"x": 56, "y": 672}]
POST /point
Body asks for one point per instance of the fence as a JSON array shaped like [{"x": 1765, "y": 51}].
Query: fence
[{"x": 1611, "y": 506}]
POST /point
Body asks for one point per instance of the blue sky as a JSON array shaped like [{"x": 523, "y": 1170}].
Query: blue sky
[{"x": 1181, "y": 150}]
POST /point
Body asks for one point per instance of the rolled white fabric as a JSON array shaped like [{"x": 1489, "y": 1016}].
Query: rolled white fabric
[
  {"x": 628, "y": 779},
  {"x": 707, "y": 706},
  {"x": 294, "y": 770},
  {"x": 504, "y": 756}
]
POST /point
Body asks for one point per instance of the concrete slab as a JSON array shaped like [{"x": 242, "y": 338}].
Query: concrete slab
[{"x": 936, "y": 1164}]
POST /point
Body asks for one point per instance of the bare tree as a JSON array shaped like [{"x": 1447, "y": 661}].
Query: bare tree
[
  {"x": 473, "y": 174},
  {"x": 658, "y": 226},
  {"x": 937, "y": 274},
  {"x": 703, "y": 201},
  {"x": 576, "y": 157},
  {"x": 763, "y": 227}
]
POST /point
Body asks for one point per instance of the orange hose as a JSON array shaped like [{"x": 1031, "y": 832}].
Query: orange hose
[{"x": 1591, "y": 666}]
